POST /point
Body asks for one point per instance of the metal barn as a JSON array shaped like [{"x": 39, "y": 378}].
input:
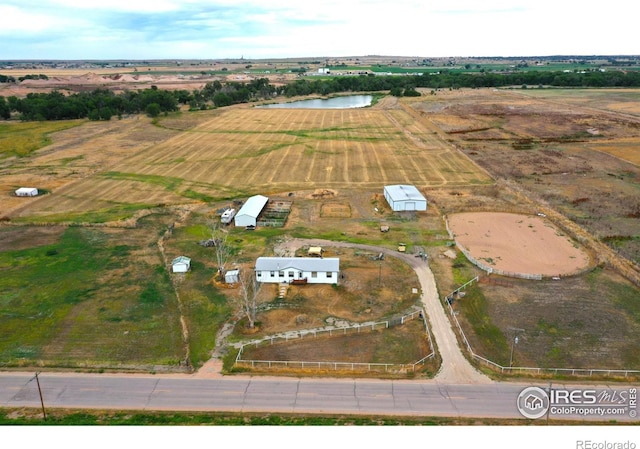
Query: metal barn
[
  {"x": 248, "y": 213},
  {"x": 404, "y": 198}
]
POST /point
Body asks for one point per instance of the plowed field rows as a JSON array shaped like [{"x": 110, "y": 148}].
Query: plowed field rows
[
  {"x": 247, "y": 151},
  {"x": 267, "y": 149}
]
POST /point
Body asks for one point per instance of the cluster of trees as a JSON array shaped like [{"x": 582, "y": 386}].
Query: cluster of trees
[
  {"x": 102, "y": 104},
  {"x": 613, "y": 78},
  {"x": 11, "y": 79},
  {"x": 456, "y": 80},
  {"x": 219, "y": 95}
]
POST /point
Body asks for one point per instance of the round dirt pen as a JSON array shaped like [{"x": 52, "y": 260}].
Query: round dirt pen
[{"x": 517, "y": 245}]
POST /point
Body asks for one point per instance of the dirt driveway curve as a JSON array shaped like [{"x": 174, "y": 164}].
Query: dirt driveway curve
[{"x": 455, "y": 368}]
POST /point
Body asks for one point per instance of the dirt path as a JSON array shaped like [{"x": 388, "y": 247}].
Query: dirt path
[{"x": 455, "y": 367}]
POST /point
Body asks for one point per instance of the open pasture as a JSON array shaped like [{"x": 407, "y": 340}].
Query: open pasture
[
  {"x": 244, "y": 151},
  {"x": 279, "y": 150}
]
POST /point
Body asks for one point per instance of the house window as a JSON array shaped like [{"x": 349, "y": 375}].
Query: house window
[
  {"x": 314, "y": 274},
  {"x": 273, "y": 274},
  {"x": 281, "y": 274},
  {"x": 290, "y": 274},
  {"x": 329, "y": 274},
  {"x": 259, "y": 274}
]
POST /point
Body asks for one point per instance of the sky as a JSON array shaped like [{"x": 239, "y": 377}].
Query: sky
[{"x": 264, "y": 29}]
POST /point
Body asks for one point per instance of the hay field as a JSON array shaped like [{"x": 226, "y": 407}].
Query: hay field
[
  {"x": 278, "y": 150},
  {"x": 243, "y": 151}
]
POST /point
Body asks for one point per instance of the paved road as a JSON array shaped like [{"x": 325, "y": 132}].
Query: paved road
[{"x": 276, "y": 395}]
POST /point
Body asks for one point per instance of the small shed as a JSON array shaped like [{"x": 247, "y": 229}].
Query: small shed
[
  {"x": 180, "y": 264},
  {"x": 27, "y": 191},
  {"x": 232, "y": 276},
  {"x": 404, "y": 198}
]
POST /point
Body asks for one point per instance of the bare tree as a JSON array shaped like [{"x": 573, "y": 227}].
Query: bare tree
[
  {"x": 220, "y": 247},
  {"x": 249, "y": 290}
]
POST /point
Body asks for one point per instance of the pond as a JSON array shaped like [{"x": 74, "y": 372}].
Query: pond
[{"x": 345, "y": 102}]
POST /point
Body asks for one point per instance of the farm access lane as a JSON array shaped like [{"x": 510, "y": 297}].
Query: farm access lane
[{"x": 455, "y": 368}]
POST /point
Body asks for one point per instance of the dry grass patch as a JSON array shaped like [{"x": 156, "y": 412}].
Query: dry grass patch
[{"x": 335, "y": 210}]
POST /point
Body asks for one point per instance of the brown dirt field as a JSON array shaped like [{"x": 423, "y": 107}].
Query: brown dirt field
[
  {"x": 23, "y": 237},
  {"x": 335, "y": 210},
  {"x": 355, "y": 348},
  {"x": 573, "y": 150},
  {"x": 518, "y": 243}
]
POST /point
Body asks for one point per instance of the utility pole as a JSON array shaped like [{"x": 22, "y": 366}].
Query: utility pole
[
  {"x": 44, "y": 413},
  {"x": 380, "y": 274}
]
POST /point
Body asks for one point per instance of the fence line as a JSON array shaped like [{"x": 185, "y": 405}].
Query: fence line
[
  {"x": 485, "y": 267},
  {"x": 395, "y": 367},
  {"x": 520, "y": 369}
]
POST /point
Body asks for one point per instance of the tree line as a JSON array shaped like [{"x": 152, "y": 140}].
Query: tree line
[{"x": 103, "y": 104}]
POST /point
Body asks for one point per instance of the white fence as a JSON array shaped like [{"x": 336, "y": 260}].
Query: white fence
[
  {"x": 485, "y": 267},
  {"x": 532, "y": 370},
  {"x": 335, "y": 332}
]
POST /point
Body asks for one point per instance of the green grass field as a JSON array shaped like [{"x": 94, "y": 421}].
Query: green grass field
[
  {"x": 22, "y": 139},
  {"x": 93, "y": 298}
]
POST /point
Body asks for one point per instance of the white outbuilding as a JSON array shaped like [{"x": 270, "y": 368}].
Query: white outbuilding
[
  {"x": 248, "y": 213},
  {"x": 404, "y": 198},
  {"x": 307, "y": 270},
  {"x": 27, "y": 191},
  {"x": 232, "y": 276},
  {"x": 181, "y": 264}
]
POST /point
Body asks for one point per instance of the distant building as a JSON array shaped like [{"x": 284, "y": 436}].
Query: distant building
[
  {"x": 248, "y": 213},
  {"x": 180, "y": 264},
  {"x": 311, "y": 270},
  {"x": 27, "y": 191},
  {"x": 404, "y": 198}
]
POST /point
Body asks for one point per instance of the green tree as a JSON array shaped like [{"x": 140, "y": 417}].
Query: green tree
[
  {"x": 153, "y": 109},
  {"x": 5, "y": 112}
]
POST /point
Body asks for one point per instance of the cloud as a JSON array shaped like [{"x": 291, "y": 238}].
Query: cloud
[{"x": 171, "y": 29}]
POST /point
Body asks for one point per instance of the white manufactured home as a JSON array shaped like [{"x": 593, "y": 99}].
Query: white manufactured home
[
  {"x": 294, "y": 270},
  {"x": 404, "y": 198},
  {"x": 248, "y": 213}
]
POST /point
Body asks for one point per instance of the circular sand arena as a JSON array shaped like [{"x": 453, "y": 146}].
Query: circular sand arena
[{"x": 517, "y": 244}]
